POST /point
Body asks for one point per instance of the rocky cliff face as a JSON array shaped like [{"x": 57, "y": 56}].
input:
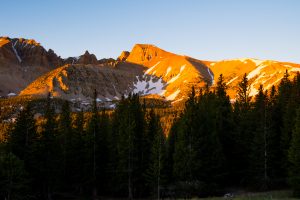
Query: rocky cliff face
[
  {"x": 87, "y": 58},
  {"x": 22, "y": 61}
]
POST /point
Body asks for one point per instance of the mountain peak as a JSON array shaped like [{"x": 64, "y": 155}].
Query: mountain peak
[
  {"x": 87, "y": 58},
  {"x": 86, "y": 52},
  {"x": 142, "y": 53},
  {"x": 124, "y": 55},
  {"x": 4, "y": 40}
]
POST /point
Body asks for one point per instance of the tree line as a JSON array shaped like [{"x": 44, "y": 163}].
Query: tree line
[{"x": 213, "y": 147}]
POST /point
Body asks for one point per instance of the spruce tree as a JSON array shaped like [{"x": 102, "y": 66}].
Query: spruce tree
[
  {"x": 156, "y": 167},
  {"x": 91, "y": 146},
  {"x": 103, "y": 152},
  {"x": 13, "y": 177},
  {"x": 184, "y": 153},
  {"x": 198, "y": 156},
  {"x": 129, "y": 129},
  {"x": 47, "y": 154},
  {"x": 23, "y": 134},
  {"x": 294, "y": 158},
  {"x": 273, "y": 122},
  {"x": 242, "y": 132},
  {"x": 224, "y": 126},
  {"x": 287, "y": 113},
  {"x": 243, "y": 93},
  {"x": 259, "y": 157},
  {"x": 72, "y": 149},
  {"x": 78, "y": 150}
]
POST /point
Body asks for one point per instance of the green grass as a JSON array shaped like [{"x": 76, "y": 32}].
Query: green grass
[{"x": 272, "y": 195}]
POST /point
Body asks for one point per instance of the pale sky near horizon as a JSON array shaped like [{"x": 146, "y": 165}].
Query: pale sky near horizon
[{"x": 203, "y": 29}]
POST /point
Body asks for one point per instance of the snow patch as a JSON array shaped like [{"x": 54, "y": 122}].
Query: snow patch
[
  {"x": 152, "y": 86},
  {"x": 11, "y": 94},
  {"x": 255, "y": 72},
  {"x": 294, "y": 69},
  {"x": 177, "y": 100},
  {"x": 173, "y": 95},
  {"x": 177, "y": 76},
  {"x": 151, "y": 68},
  {"x": 211, "y": 75},
  {"x": 168, "y": 70},
  {"x": 253, "y": 91},
  {"x": 16, "y": 53},
  {"x": 256, "y": 61},
  {"x": 232, "y": 80},
  {"x": 270, "y": 85},
  {"x": 113, "y": 106},
  {"x": 182, "y": 68}
]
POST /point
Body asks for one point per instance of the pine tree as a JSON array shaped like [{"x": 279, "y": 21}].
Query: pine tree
[
  {"x": 129, "y": 129},
  {"x": 13, "y": 177},
  {"x": 243, "y": 93},
  {"x": 78, "y": 150},
  {"x": 155, "y": 171},
  {"x": 198, "y": 156},
  {"x": 71, "y": 145},
  {"x": 287, "y": 113},
  {"x": 65, "y": 137},
  {"x": 242, "y": 132},
  {"x": 170, "y": 143},
  {"x": 91, "y": 145},
  {"x": 294, "y": 158},
  {"x": 184, "y": 152},
  {"x": 259, "y": 159},
  {"x": 47, "y": 154},
  {"x": 209, "y": 147},
  {"x": 273, "y": 122},
  {"x": 224, "y": 126},
  {"x": 102, "y": 157},
  {"x": 22, "y": 140},
  {"x": 23, "y": 134}
]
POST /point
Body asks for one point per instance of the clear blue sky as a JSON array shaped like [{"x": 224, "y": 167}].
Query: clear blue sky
[{"x": 204, "y": 29}]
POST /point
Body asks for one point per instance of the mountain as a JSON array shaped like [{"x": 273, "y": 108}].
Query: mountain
[
  {"x": 28, "y": 69},
  {"x": 265, "y": 72},
  {"x": 24, "y": 60},
  {"x": 21, "y": 62},
  {"x": 147, "y": 70}
]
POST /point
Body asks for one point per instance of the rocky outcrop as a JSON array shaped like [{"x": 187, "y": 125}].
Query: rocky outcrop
[
  {"x": 87, "y": 58},
  {"x": 142, "y": 53},
  {"x": 124, "y": 55}
]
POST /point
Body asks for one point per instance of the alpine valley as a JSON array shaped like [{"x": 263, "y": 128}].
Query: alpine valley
[{"x": 28, "y": 69}]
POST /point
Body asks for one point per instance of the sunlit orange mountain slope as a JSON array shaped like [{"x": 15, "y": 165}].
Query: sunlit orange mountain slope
[{"x": 146, "y": 69}]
